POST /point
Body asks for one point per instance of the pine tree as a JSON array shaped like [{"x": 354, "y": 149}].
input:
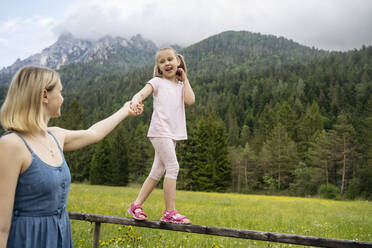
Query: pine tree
[
  {"x": 187, "y": 157},
  {"x": 252, "y": 172},
  {"x": 74, "y": 118},
  {"x": 100, "y": 164},
  {"x": 233, "y": 129},
  {"x": 222, "y": 179},
  {"x": 78, "y": 161},
  {"x": 287, "y": 117},
  {"x": 202, "y": 174},
  {"x": 141, "y": 154},
  {"x": 320, "y": 154},
  {"x": 310, "y": 126},
  {"x": 364, "y": 171},
  {"x": 265, "y": 125},
  {"x": 213, "y": 171},
  {"x": 245, "y": 135},
  {"x": 279, "y": 155},
  {"x": 344, "y": 138},
  {"x": 236, "y": 162},
  {"x": 119, "y": 157}
]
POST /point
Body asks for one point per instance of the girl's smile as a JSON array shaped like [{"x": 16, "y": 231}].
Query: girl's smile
[{"x": 168, "y": 64}]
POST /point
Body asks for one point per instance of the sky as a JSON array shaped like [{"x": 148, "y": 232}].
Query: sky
[{"x": 29, "y": 26}]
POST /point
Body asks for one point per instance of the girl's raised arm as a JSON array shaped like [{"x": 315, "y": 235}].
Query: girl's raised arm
[
  {"x": 142, "y": 94},
  {"x": 73, "y": 140},
  {"x": 189, "y": 95}
]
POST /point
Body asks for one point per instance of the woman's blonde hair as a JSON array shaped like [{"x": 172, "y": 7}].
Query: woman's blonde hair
[
  {"x": 22, "y": 109},
  {"x": 157, "y": 71}
]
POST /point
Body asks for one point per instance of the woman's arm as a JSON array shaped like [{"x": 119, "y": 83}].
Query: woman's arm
[
  {"x": 73, "y": 140},
  {"x": 11, "y": 161}
]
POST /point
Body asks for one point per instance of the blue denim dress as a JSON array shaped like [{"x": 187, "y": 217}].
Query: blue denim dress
[{"x": 40, "y": 218}]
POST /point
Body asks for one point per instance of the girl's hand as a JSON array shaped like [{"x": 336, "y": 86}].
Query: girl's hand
[
  {"x": 136, "y": 105},
  {"x": 181, "y": 75},
  {"x": 135, "y": 108}
]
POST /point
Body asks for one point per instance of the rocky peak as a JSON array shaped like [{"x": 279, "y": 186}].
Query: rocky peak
[
  {"x": 141, "y": 43},
  {"x": 65, "y": 37},
  {"x": 69, "y": 49}
]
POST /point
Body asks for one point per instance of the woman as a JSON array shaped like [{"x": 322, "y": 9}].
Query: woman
[{"x": 34, "y": 176}]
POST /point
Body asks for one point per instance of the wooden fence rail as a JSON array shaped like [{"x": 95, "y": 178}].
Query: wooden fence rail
[{"x": 218, "y": 231}]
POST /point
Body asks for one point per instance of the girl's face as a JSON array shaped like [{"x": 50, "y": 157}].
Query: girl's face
[
  {"x": 55, "y": 100},
  {"x": 168, "y": 63}
]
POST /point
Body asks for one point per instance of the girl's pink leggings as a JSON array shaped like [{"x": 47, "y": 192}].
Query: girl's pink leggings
[{"x": 165, "y": 158}]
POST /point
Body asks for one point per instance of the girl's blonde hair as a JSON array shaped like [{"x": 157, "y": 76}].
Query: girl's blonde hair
[
  {"x": 22, "y": 109},
  {"x": 157, "y": 71}
]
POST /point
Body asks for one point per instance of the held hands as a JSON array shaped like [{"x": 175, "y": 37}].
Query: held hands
[
  {"x": 131, "y": 110},
  {"x": 136, "y": 107}
]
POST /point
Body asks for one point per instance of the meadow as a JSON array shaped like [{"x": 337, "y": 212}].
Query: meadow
[{"x": 350, "y": 220}]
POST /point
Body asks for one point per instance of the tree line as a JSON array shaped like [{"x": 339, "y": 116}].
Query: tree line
[{"x": 298, "y": 128}]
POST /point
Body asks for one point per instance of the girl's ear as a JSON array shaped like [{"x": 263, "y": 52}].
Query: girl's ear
[
  {"x": 45, "y": 96},
  {"x": 159, "y": 71}
]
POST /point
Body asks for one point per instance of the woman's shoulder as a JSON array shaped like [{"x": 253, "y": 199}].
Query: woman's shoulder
[
  {"x": 13, "y": 153},
  {"x": 55, "y": 130},
  {"x": 58, "y": 132},
  {"x": 11, "y": 142}
]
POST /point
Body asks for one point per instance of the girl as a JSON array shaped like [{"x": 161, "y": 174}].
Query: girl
[
  {"x": 34, "y": 176},
  {"x": 171, "y": 89}
]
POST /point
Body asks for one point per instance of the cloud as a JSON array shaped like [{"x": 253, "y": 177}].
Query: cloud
[
  {"x": 3, "y": 41},
  {"x": 161, "y": 21},
  {"x": 24, "y": 37},
  {"x": 8, "y": 25},
  {"x": 329, "y": 24}
]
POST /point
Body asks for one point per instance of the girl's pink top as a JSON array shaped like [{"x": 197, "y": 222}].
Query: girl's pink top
[{"x": 168, "y": 117}]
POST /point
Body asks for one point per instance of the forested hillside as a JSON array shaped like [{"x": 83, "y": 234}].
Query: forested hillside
[
  {"x": 232, "y": 51},
  {"x": 270, "y": 115}
]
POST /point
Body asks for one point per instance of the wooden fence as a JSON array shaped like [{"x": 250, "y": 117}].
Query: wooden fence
[{"x": 218, "y": 231}]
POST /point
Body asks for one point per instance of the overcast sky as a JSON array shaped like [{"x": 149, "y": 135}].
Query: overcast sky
[{"x": 28, "y": 26}]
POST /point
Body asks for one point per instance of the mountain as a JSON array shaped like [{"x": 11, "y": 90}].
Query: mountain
[
  {"x": 236, "y": 50},
  {"x": 233, "y": 50},
  {"x": 68, "y": 49}
]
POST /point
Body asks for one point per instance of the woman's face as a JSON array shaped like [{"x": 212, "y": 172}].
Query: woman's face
[
  {"x": 55, "y": 100},
  {"x": 168, "y": 63}
]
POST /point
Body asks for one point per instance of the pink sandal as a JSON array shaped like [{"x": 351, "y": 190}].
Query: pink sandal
[
  {"x": 137, "y": 214},
  {"x": 171, "y": 217}
]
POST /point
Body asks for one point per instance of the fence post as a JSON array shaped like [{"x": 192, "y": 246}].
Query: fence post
[{"x": 97, "y": 229}]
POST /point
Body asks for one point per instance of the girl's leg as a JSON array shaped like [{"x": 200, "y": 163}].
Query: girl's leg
[
  {"x": 166, "y": 150},
  {"x": 152, "y": 180},
  {"x": 146, "y": 189},
  {"x": 148, "y": 186},
  {"x": 169, "y": 187}
]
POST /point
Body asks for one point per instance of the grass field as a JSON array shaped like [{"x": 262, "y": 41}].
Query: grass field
[{"x": 304, "y": 216}]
